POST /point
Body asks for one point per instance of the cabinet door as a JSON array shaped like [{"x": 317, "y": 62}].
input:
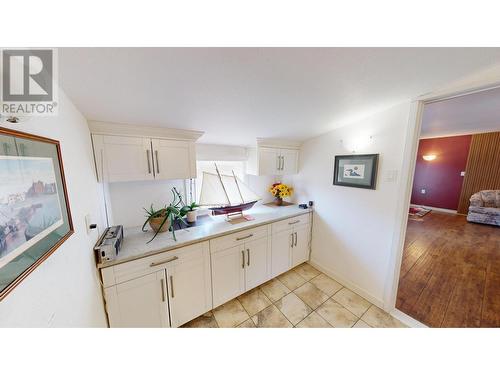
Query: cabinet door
[
  {"x": 123, "y": 158},
  {"x": 268, "y": 161},
  {"x": 140, "y": 302},
  {"x": 174, "y": 159},
  {"x": 281, "y": 257},
  {"x": 300, "y": 248},
  {"x": 256, "y": 267},
  {"x": 228, "y": 274},
  {"x": 289, "y": 161},
  {"x": 189, "y": 287}
]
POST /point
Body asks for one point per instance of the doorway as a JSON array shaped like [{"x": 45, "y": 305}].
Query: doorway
[{"x": 449, "y": 273}]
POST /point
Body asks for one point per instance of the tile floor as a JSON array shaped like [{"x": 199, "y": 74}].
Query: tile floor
[{"x": 302, "y": 298}]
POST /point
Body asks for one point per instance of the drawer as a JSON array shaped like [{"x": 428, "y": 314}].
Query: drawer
[
  {"x": 235, "y": 239},
  {"x": 140, "y": 267},
  {"x": 291, "y": 222}
]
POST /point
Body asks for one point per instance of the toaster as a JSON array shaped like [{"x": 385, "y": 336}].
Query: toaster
[{"x": 109, "y": 244}]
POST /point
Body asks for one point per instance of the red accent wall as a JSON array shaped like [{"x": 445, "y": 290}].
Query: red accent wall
[{"x": 440, "y": 177}]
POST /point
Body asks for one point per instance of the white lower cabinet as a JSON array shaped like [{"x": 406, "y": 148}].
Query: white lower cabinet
[
  {"x": 281, "y": 254},
  {"x": 177, "y": 289},
  {"x": 228, "y": 274},
  {"x": 256, "y": 263},
  {"x": 239, "y": 268},
  {"x": 174, "y": 287},
  {"x": 139, "y": 302},
  {"x": 300, "y": 246}
]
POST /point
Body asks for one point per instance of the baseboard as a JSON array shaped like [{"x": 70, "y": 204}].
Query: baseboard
[
  {"x": 406, "y": 319},
  {"x": 435, "y": 209},
  {"x": 348, "y": 284}
]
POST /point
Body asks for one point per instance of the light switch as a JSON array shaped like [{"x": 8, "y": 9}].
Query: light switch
[
  {"x": 391, "y": 175},
  {"x": 423, "y": 191},
  {"x": 462, "y": 173}
]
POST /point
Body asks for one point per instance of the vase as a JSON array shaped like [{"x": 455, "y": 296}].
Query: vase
[
  {"x": 155, "y": 223},
  {"x": 191, "y": 216},
  {"x": 279, "y": 201}
]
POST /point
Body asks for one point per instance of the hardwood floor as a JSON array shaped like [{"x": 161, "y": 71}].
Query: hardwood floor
[{"x": 450, "y": 273}]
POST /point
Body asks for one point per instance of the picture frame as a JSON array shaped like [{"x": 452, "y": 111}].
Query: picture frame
[
  {"x": 359, "y": 171},
  {"x": 35, "y": 215}
]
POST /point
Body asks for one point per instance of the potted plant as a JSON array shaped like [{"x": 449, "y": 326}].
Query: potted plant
[
  {"x": 164, "y": 219},
  {"x": 280, "y": 191},
  {"x": 190, "y": 212}
]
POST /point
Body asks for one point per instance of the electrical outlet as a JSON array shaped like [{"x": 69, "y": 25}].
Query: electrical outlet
[
  {"x": 423, "y": 191},
  {"x": 462, "y": 173}
]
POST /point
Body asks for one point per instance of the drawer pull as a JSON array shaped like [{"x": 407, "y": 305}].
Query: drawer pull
[
  {"x": 294, "y": 222},
  {"x": 154, "y": 264},
  {"x": 244, "y": 238}
]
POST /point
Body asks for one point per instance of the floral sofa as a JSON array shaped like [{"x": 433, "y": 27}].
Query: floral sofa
[{"x": 485, "y": 207}]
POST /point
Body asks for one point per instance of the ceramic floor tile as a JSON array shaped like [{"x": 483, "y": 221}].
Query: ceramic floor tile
[
  {"x": 230, "y": 314},
  {"x": 274, "y": 290},
  {"x": 306, "y": 271},
  {"x": 337, "y": 315},
  {"x": 291, "y": 279},
  {"x": 380, "y": 319},
  {"x": 311, "y": 295},
  {"x": 352, "y": 302},
  {"x": 247, "y": 324},
  {"x": 361, "y": 324},
  {"x": 271, "y": 317},
  {"x": 326, "y": 284},
  {"x": 254, "y": 301},
  {"x": 206, "y": 320},
  {"x": 293, "y": 308},
  {"x": 313, "y": 320}
]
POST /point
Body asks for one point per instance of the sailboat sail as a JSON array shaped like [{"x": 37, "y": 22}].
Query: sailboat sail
[{"x": 223, "y": 190}]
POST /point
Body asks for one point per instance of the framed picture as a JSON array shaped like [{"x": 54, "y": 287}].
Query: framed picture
[
  {"x": 356, "y": 171},
  {"x": 35, "y": 217}
]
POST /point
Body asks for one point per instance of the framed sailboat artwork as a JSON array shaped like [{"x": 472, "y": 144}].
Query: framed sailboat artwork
[{"x": 227, "y": 195}]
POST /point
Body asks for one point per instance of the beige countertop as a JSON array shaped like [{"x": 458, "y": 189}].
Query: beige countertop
[{"x": 135, "y": 244}]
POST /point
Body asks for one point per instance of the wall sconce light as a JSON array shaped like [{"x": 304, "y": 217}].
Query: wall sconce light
[{"x": 429, "y": 157}]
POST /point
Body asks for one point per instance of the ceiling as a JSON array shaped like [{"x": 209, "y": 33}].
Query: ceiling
[
  {"x": 235, "y": 95},
  {"x": 474, "y": 113}
]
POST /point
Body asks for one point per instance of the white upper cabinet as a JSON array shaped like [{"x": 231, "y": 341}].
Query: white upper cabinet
[
  {"x": 123, "y": 158},
  {"x": 139, "y": 153},
  {"x": 173, "y": 159},
  {"x": 273, "y": 159}
]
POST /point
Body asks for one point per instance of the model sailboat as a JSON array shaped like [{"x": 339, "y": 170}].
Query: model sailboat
[{"x": 226, "y": 195}]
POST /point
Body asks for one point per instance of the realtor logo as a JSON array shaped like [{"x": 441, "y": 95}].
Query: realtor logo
[{"x": 29, "y": 82}]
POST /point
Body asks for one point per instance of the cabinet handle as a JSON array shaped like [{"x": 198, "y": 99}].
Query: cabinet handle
[
  {"x": 172, "y": 285},
  {"x": 149, "y": 162},
  {"x": 291, "y": 234},
  {"x": 282, "y": 163},
  {"x": 162, "y": 290},
  {"x": 157, "y": 163},
  {"x": 248, "y": 256},
  {"x": 154, "y": 264},
  {"x": 244, "y": 238},
  {"x": 294, "y": 222},
  {"x": 278, "y": 163},
  {"x": 243, "y": 259},
  {"x": 295, "y": 239}
]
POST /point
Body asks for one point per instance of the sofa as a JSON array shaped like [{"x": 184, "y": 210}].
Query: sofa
[{"x": 484, "y": 207}]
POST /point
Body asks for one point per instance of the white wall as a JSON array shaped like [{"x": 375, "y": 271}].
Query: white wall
[
  {"x": 64, "y": 290},
  {"x": 126, "y": 200},
  {"x": 353, "y": 228}
]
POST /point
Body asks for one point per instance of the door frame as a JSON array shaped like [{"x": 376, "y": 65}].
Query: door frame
[{"x": 413, "y": 131}]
